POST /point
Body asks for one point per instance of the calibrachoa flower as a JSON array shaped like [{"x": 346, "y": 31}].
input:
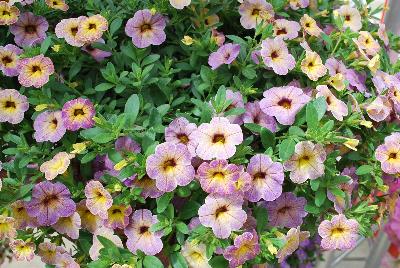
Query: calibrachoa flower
[
  {"x": 22, "y": 251},
  {"x": 29, "y": 30},
  {"x": 307, "y": 162},
  {"x": 312, "y": 66},
  {"x": 179, "y": 4},
  {"x": 9, "y": 59},
  {"x": 379, "y": 109},
  {"x": 66, "y": 261},
  {"x": 292, "y": 241},
  {"x": 98, "y": 200},
  {"x": 236, "y": 99},
  {"x": 94, "y": 251},
  {"x": 226, "y": 54},
  {"x": 296, "y": 4},
  {"x": 366, "y": 42},
  {"x": 218, "y": 139},
  {"x": 89, "y": 221},
  {"x": 255, "y": 115},
  {"x": 253, "y": 12},
  {"x": 69, "y": 225},
  {"x": 68, "y": 28},
  {"x": 22, "y": 219},
  {"x": 146, "y": 29},
  {"x": 310, "y": 25},
  {"x": 49, "y": 126},
  {"x": 8, "y": 14},
  {"x": 7, "y": 227},
  {"x": 57, "y": 4},
  {"x": 243, "y": 184},
  {"x": 389, "y": 156},
  {"x": 91, "y": 28},
  {"x": 180, "y": 130},
  {"x": 78, "y": 113},
  {"x": 139, "y": 234},
  {"x": 97, "y": 54},
  {"x": 338, "y": 233},
  {"x": 351, "y": 17},
  {"x": 267, "y": 178},
  {"x": 245, "y": 247},
  {"x": 195, "y": 255},
  {"x": 286, "y": 29},
  {"x": 217, "y": 37},
  {"x": 286, "y": 211},
  {"x": 13, "y": 105},
  {"x": 222, "y": 214},
  {"x": 148, "y": 186},
  {"x": 218, "y": 177},
  {"x": 276, "y": 55},
  {"x": 283, "y": 103},
  {"x": 170, "y": 166},
  {"x": 56, "y": 166},
  {"x": 50, "y": 201},
  {"x": 35, "y": 72},
  {"x": 337, "y": 107},
  {"x": 118, "y": 216},
  {"x": 49, "y": 252},
  {"x": 335, "y": 66}
]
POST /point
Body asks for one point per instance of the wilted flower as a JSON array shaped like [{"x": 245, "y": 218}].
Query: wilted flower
[
  {"x": 283, "y": 103},
  {"x": 245, "y": 247},
  {"x": 286, "y": 211},
  {"x": 7, "y": 227},
  {"x": 389, "y": 156},
  {"x": 351, "y": 17},
  {"x": 89, "y": 221},
  {"x": 179, "y": 4},
  {"x": 49, "y": 126},
  {"x": 218, "y": 139},
  {"x": 338, "y": 233},
  {"x": 337, "y": 107},
  {"x": 292, "y": 241},
  {"x": 98, "y": 200},
  {"x": 57, "y": 4},
  {"x": 286, "y": 29},
  {"x": 222, "y": 214},
  {"x": 180, "y": 130},
  {"x": 78, "y": 113},
  {"x": 187, "y": 40},
  {"x": 68, "y": 28},
  {"x": 91, "y": 28},
  {"x": 146, "y": 29},
  {"x": 379, "y": 109},
  {"x": 29, "y": 30},
  {"x": 312, "y": 66},
  {"x": 267, "y": 178},
  {"x": 118, "y": 216},
  {"x": 170, "y": 166},
  {"x": 255, "y": 115},
  {"x": 296, "y": 4},
  {"x": 195, "y": 255},
  {"x": 94, "y": 251},
  {"x": 13, "y": 105},
  {"x": 139, "y": 234},
  {"x": 253, "y": 12},
  {"x": 56, "y": 166},
  {"x": 8, "y": 14},
  {"x": 226, "y": 54},
  {"x": 366, "y": 42},
  {"x": 97, "y": 54},
  {"x": 49, "y": 252},
  {"x": 35, "y": 72},
  {"x": 276, "y": 55},
  {"x": 69, "y": 226},
  {"x": 22, "y": 251},
  {"x": 307, "y": 162},
  {"x": 310, "y": 25},
  {"x": 9, "y": 59}
]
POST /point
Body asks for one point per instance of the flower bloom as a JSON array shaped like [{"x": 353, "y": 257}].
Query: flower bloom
[
  {"x": 98, "y": 200},
  {"x": 275, "y": 54},
  {"x": 22, "y": 219},
  {"x": 56, "y": 166},
  {"x": 69, "y": 225},
  {"x": 217, "y": 37},
  {"x": 253, "y": 12},
  {"x": 66, "y": 261},
  {"x": 7, "y": 227},
  {"x": 181, "y": 131},
  {"x": 383, "y": 81},
  {"x": 292, "y": 241},
  {"x": 366, "y": 42},
  {"x": 179, "y": 4},
  {"x": 286, "y": 29},
  {"x": 146, "y": 29},
  {"x": 22, "y": 250},
  {"x": 8, "y": 14},
  {"x": 283, "y": 103},
  {"x": 286, "y": 211},
  {"x": 170, "y": 166},
  {"x": 338, "y": 233},
  {"x": 9, "y": 59},
  {"x": 245, "y": 247},
  {"x": 310, "y": 25},
  {"x": 312, "y": 66},
  {"x": 49, "y": 126},
  {"x": 218, "y": 177},
  {"x": 94, "y": 251},
  {"x": 29, "y": 30},
  {"x": 236, "y": 99},
  {"x": 49, "y": 252},
  {"x": 118, "y": 216},
  {"x": 78, "y": 113},
  {"x": 68, "y": 28},
  {"x": 13, "y": 105},
  {"x": 267, "y": 178},
  {"x": 50, "y": 201},
  {"x": 307, "y": 162},
  {"x": 335, "y": 66},
  {"x": 91, "y": 28},
  {"x": 148, "y": 186},
  {"x": 97, "y": 54},
  {"x": 195, "y": 255},
  {"x": 218, "y": 139},
  {"x": 222, "y": 214},
  {"x": 139, "y": 234},
  {"x": 35, "y": 72},
  {"x": 351, "y": 17},
  {"x": 296, "y": 4},
  {"x": 57, "y": 4},
  {"x": 89, "y": 221},
  {"x": 379, "y": 109},
  {"x": 255, "y": 115},
  {"x": 337, "y": 107},
  {"x": 226, "y": 54},
  {"x": 389, "y": 156}
]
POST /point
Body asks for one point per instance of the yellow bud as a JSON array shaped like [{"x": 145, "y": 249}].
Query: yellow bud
[
  {"x": 73, "y": 84},
  {"x": 187, "y": 40},
  {"x": 56, "y": 48},
  {"x": 272, "y": 249},
  {"x": 121, "y": 164},
  {"x": 79, "y": 147},
  {"x": 365, "y": 123},
  {"x": 351, "y": 144},
  {"x": 117, "y": 187},
  {"x": 153, "y": 11},
  {"x": 41, "y": 107}
]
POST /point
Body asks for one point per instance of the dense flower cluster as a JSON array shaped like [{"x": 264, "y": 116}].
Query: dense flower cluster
[{"x": 199, "y": 133}]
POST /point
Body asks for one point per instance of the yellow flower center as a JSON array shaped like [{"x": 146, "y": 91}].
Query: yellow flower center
[
  {"x": 218, "y": 138},
  {"x": 169, "y": 165}
]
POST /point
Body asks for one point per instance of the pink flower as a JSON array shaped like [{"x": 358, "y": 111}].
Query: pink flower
[
  {"x": 181, "y": 131},
  {"x": 98, "y": 199},
  {"x": 35, "y": 72},
  {"x": 118, "y": 216},
  {"x": 22, "y": 250},
  {"x": 286, "y": 29},
  {"x": 253, "y": 12},
  {"x": 337, "y": 107},
  {"x": 389, "y": 156},
  {"x": 69, "y": 225},
  {"x": 244, "y": 248},
  {"x": 255, "y": 115},
  {"x": 379, "y": 109},
  {"x": 226, "y": 54},
  {"x": 276, "y": 55}
]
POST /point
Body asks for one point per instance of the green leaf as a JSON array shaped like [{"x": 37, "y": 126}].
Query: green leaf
[
  {"x": 337, "y": 192},
  {"x": 178, "y": 261},
  {"x": 296, "y": 131},
  {"x": 249, "y": 72},
  {"x": 182, "y": 227},
  {"x": 261, "y": 215},
  {"x": 311, "y": 209},
  {"x": 163, "y": 201},
  {"x": 286, "y": 149},
  {"x": 150, "y": 59},
  {"x": 320, "y": 197},
  {"x": 104, "y": 87},
  {"x": 101, "y": 263},
  {"x": 74, "y": 70},
  {"x": 132, "y": 107},
  {"x": 253, "y": 127},
  {"x": 364, "y": 169},
  {"x": 219, "y": 262},
  {"x": 311, "y": 116},
  {"x": 45, "y": 45},
  {"x": 97, "y": 134},
  {"x": 315, "y": 184},
  {"x": 109, "y": 247},
  {"x": 152, "y": 262},
  {"x": 189, "y": 210},
  {"x": 327, "y": 39},
  {"x": 115, "y": 25},
  {"x": 267, "y": 138},
  {"x": 320, "y": 106}
]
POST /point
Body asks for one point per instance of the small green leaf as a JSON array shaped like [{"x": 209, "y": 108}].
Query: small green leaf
[
  {"x": 115, "y": 25},
  {"x": 320, "y": 197},
  {"x": 163, "y": 201},
  {"x": 178, "y": 261},
  {"x": 152, "y": 262},
  {"x": 311, "y": 116},
  {"x": 253, "y": 127},
  {"x": 364, "y": 169},
  {"x": 104, "y": 87},
  {"x": 320, "y": 106},
  {"x": 45, "y": 45},
  {"x": 182, "y": 227},
  {"x": 132, "y": 107},
  {"x": 267, "y": 138},
  {"x": 286, "y": 149}
]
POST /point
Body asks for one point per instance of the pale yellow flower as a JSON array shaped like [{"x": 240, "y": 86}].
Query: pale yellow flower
[
  {"x": 187, "y": 40},
  {"x": 312, "y": 66},
  {"x": 310, "y": 25}
]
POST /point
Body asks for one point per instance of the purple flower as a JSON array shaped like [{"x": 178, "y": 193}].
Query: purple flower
[
  {"x": 146, "y": 29},
  {"x": 148, "y": 186},
  {"x": 98, "y": 200},
  {"x": 89, "y": 221},
  {"x": 276, "y": 55},
  {"x": 283, "y": 103},
  {"x": 180, "y": 131},
  {"x": 255, "y": 115},
  {"x": 267, "y": 178},
  {"x": 253, "y": 12},
  {"x": 245, "y": 247},
  {"x": 49, "y": 252},
  {"x": 78, "y": 113},
  {"x": 356, "y": 80},
  {"x": 139, "y": 234},
  {"x": 50, "y": 201},
  {"x": 35, "y": 72},
  {"x": 118, "y": 216},
  {"x": 66, "y": 261},
  {"x": 335, "y": 66},
  {"x": 286, "y": 211},
  {"x": 337, "y": 107},
  {"x": 296, "y": 4},
  {"x": 222, "y": 214},
  {"x": 13, "y": 105},
  {"x": 170, "y": 166},
  {"x": 98, "y": 54},
  {"x": 69, "y": 225},
  {"x": 226, "y": 54},
  {"x": 383, "y": 81},
  {"x": 379, "y": 109},
  {"x": 286, "y": 29},
  {"x": 9, "y": 59},
  {"x": 29, "y": 29},
  {"x": 49, "y": 126},
  {"x": 292, "y": 241},
  {"x": 127, "y": 145}
]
